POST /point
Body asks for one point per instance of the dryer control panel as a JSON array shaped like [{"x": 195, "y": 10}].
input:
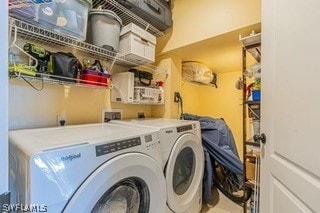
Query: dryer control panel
[{"x": 116, "y": 146}]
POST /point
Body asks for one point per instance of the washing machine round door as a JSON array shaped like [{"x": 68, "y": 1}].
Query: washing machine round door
[
  {"x": 184, "y": 172},
  {"x": 131, "y": 182}
]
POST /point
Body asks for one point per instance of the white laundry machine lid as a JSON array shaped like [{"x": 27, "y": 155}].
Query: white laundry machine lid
[
  {"x": 184, "y": 173},
  {"x": 31, "y": 141},
  {"x": 158, "y": 122}
]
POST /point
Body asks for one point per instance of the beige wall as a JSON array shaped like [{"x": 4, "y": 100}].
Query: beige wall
[{"x": 195, "y": 21}]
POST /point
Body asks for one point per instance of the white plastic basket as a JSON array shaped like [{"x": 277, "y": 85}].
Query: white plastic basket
[{"x": 147, "y": 95}]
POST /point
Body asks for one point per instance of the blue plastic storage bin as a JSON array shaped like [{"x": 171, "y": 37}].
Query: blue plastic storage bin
[{"x": 256, "y": 95}]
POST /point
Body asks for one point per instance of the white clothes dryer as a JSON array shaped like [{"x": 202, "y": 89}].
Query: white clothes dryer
[
  {"x": 183, "y": 161},
  {"x": 87, "y": 168}
]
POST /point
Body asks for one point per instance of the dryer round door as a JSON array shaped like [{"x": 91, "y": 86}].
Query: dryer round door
[
  {"x": 184, "y": 172},
  {"x": 131, "y": 182}
]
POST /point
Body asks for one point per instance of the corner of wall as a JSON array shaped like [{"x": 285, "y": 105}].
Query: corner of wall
[{"x": 172, "y": 64}]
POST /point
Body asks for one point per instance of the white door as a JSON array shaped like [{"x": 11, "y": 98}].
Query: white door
[
  {"x": 3, "y": 98},
  {"x": 290, "y": 170}
]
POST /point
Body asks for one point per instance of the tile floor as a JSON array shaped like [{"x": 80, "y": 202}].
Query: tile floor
[{"x": 221, "y": 204}]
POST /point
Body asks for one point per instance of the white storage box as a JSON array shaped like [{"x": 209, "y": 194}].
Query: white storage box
[
  {"x": 123, "y": 84},
  {"x": 137, "y": 44},
  {"x": 124, "y": 91}
]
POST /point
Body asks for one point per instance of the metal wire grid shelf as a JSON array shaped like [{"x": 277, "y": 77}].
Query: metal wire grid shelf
[
  {"x": 35, "y": 33},
  {"x": 51, "y": 79},
  {"x": 31, "y": 32},
  {"x": 19, "y": 3},
  {"x": 126, "y": 15},
  {"x": 253, "y": 44}
]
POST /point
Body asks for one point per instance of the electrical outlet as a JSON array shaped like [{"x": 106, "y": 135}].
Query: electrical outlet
[
  {"x": 141, "y": 115},
  {"x": 61, "y": 120},
  {"x": 111, "y": 114}
]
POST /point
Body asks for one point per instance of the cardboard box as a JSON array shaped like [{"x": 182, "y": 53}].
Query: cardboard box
[
  {"x": 137, "y": 44},
  {"x": 250, "y": 170}
]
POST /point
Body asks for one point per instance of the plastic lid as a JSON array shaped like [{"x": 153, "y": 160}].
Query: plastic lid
[{"x": 107, "y": 13}]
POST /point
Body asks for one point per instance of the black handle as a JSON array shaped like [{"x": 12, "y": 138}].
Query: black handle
[
  {"x": 260, "y": 138},
  {"x": 144, "y": 83},
  {"x": 153, "y": 7}
]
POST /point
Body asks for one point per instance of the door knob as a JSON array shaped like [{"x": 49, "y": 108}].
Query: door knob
[{"x": 260, "y": 138}]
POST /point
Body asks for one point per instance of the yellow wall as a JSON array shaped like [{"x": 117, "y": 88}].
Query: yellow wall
[
  {"x": 29, "y": 108},
  {"x": 192, "y": 98},
  {"x": 225, "y": 102},
  {"x": 222, "y": 102},
  {"x": 172, "y": 64},
  {"x": 195, "y": 21},
  {"x": 165, "y": 110}
]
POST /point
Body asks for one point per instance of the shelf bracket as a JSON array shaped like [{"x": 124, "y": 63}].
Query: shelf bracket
[{"x": 13, "y": 44}]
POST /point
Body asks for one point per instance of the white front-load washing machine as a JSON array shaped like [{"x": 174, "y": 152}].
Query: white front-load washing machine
[
  {"x": 87, "y": 168},
  {"x": 183, "y": 161}
]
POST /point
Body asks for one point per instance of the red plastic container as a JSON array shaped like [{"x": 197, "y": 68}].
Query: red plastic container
[{"x": 94, "y": 77}]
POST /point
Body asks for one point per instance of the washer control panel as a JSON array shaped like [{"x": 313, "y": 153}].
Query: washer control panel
[
  {"x": 184, "y": 128},
  {"x": 116, "y": 146},
  {"x": 154, "y": 145}
]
